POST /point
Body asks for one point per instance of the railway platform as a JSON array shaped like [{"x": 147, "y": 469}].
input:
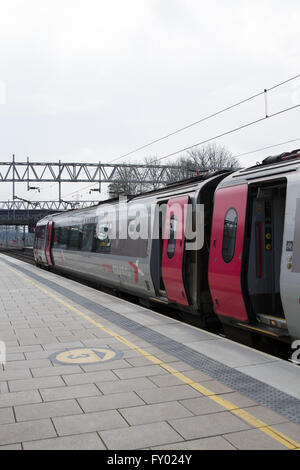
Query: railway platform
[{"x": 85, "y": 370}]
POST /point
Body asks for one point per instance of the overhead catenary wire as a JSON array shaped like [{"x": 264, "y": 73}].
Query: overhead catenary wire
[
  {"x": 205, "y": 118},
  {"x": 267, "y": 148},
  {"x": 231, "y": 131}
]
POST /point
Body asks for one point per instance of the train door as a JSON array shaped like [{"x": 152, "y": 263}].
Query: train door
[
  {"x": 265, "y": 249},
  {"x": 290, "y": 262},
  {"x": 173, "y": 250},
  {"x": 156, "y": 250},
  {"x": 48, "y": 243},
  {"x": 226, "y": 252}
]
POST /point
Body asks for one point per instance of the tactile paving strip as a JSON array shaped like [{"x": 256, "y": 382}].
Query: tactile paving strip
[{"x": 262, "y": 393}]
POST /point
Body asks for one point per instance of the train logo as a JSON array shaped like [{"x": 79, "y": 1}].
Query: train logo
[{"x": 85, "y": 356}]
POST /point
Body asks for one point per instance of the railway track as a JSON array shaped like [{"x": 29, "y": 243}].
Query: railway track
[
  {"x": 24, "y": 255},
  {"x": 265, "y": 344}
]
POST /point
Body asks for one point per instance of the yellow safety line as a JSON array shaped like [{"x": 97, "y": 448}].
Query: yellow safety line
[
  {"x": 242, "y": 414},
  {"x": 257, "y": 329}
]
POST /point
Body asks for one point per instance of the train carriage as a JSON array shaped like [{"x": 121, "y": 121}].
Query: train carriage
[{"x": 242, "y": 263}]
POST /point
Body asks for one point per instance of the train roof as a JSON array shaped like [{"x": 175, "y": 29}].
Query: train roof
[{"x": 271, "y": 166}]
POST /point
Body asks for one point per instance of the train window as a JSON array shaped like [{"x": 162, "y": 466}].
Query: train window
[
  {"x": 131, "y": 248},
  {"x": 103, "y": 242},
  {"x": 172, "y": 237},
  {"x": 56, "y": 237},
  {"x": 39, "y": 237},
  {"x": 61, "y": 235},
  {"x": 229, "y": 236},
  {"x": 74, "y": 238},
  {"x": 87, "y": 237}
]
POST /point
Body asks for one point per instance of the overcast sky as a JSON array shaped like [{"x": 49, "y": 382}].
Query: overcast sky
[{"x": 89, "y": 80}]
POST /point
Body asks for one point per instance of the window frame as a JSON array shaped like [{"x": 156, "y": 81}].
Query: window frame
[
  {"x": 226, "y": 259},
  {"x": 171, "y": 246}
]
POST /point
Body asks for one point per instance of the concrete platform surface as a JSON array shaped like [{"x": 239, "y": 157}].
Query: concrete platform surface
[{"x": 86, "y": 370}]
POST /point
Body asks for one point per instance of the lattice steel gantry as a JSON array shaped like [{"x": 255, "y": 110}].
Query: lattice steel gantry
[{"x": 63, "y": 172}]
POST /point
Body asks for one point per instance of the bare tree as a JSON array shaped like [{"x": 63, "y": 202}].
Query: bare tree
[
  {"x": 127, "y": 188},
  {"x": 211, "y": 158},
  {"x": 205, "y": 159}
]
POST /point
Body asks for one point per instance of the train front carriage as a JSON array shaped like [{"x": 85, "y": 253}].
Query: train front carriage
[{"x": 254, "y": 255}]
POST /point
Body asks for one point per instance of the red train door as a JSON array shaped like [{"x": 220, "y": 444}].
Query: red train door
[
  {"x": 173, "y": 250},
  {"x": 48, "y": 243},
  {"x": 226, "y": 252}
]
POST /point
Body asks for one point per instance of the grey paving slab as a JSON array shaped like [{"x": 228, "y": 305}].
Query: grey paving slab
[
  {"x": 144, "y": 371},
  {"x": 139, "y": 437},
  {"x": 65, "y": 393},
  {"x": 3, "y": 387},
  {"x": 6, "y": 416},
  {"x": 11, "y": 447},
  {"x": 51, "y": 371},
  {"x": 47, "y": 410},
  {"x": 27, "y": 364},
  {"x": 88, "y": 441},
  {"x": 12, "y": 343},
  {"x": 209, "y": 443},
  {"x": 34, "y": 340},
  {"x": 17, "y": 356},
  {"x": 90, "y": 422},
  {"x": 142, "y": 383},
  {"x": 90, "y": 377},
  {"x": 56, "y": 346},
  {"x": 19, "y": 398},
  {"x": 208, "y": 425},
  {"x": 165, "y": 380},
  {"x": 117, "y": 364},
  {"x": 27, "y": 431},
  {"x": 154, "y": 413},
  {"x": 24, "y": 349},
  {"x": 178, "y": 392},
  {"x": 37, "y": 355},
  {"x": 35, "y": 383},
  {"x": 202, "y": 406},
  {"x": 253, "y": 439},
  {"x": 110, "y": 402},
  {"x": 138, "y": 361}
]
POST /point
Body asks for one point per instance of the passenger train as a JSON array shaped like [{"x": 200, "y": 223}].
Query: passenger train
[{"x": 244, "y": 264}]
